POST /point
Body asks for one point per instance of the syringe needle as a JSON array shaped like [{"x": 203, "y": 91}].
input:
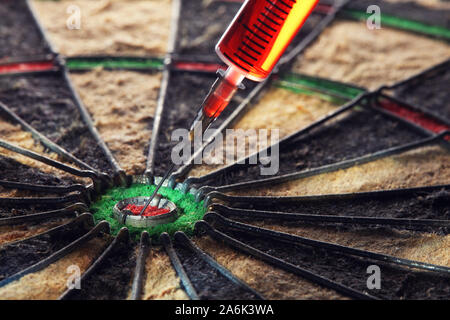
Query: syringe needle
[{"x": 166, "y": 175}]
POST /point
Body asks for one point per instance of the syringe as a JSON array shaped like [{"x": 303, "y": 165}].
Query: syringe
[{"x": 251, "y": 46}]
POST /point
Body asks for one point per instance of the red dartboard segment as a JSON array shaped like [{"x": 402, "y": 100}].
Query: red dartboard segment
[
  {"x": 198, "y": 66},
  {"x": 28, "y": 66},
  {"x": 416, "y": 117},
  {"x": 151, "y": 211},
  {"x": 237, "y": 1},
  {"x": 323, "y": 8}
]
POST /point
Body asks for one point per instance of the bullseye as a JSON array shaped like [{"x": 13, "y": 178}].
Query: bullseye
[{"x": 160, "y": 211}]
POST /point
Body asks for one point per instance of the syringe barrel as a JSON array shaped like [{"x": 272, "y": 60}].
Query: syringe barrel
[{"x": 260, "y": 33}]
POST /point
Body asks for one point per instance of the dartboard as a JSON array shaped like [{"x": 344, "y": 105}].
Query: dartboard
[{"x": 347, "y": 199}]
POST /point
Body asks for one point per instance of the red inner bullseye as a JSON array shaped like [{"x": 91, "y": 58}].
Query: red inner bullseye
[{"x": 151, "y": 211}]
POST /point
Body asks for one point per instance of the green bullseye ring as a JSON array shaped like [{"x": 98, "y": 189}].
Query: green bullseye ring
[{"x": 189, "y": 210}]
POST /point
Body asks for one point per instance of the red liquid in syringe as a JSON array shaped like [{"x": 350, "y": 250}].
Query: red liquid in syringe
[{"x": 260, "y": 33}]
